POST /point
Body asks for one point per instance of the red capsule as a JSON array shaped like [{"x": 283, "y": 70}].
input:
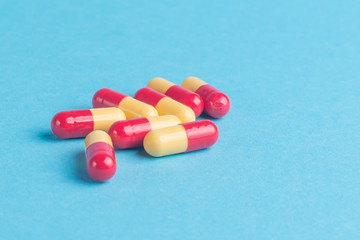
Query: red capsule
[
  {"x": 130, "y": 133},
  {"x": 78, "y": 123},
  {"x": 178, "y": 93},
  {"x": 216, "y": 103},
  {"x": 100, "y": 156}
]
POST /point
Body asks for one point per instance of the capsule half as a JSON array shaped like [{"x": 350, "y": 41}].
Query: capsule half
[
  {"x": 165, "y": 105},
  {"x": 186, "y": 137},
  {"x": 100, "y": 156},
  {"x": 178, "y": 93},
  {"x": 216, "y": 103},
  {"x": 132, "y": 108},
  {"x": 79, "y": 123}
]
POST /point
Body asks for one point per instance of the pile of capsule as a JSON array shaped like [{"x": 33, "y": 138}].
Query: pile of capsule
[{"x": 161, "y": 117}]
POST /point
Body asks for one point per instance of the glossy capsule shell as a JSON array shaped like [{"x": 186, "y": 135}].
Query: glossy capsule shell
[
  {"x": 165, "y": 105},
  {"x": 216, "y": 103},
  {"x": 178, "y": 93},
  {"x": 130, "y": 133},
  {"x": 132, "y": 108},
  {"x": 100, "y": 156},
  {"x": 186, "y": 137},
  {"x": 79, "y": 123}
]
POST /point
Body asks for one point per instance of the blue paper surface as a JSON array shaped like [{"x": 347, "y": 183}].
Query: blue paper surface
[{"x": 287, "y": 162}]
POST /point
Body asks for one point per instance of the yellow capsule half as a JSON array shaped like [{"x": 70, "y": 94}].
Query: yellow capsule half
[
  {"x": 166, "y": 141},
  {"x": 105, "y": 117},
  {"x": 97, "y": 136},
  {"x": 135, "y": 109}
]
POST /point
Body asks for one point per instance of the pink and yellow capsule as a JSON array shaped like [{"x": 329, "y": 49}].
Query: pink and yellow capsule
[
  {"x": 130, "y": 133},
  {"x": 132, "y": 108},
  {"x": 216, "y": 103},
  {"x": 186, "y": 137},
  {"x": 178, "y": 93},
  {"x": 79, "y": 123},
  {"x": 100, "y": 156},
  {"x": 165, "y": 105}
]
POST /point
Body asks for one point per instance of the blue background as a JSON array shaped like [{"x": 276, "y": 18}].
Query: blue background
[{"x": 286, "y": 165}]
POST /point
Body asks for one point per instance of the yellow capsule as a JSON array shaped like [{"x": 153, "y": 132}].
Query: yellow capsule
[{"x": 166, "y": 141}]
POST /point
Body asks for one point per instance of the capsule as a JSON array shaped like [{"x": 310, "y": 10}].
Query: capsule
[
  {"x": 79, "y": 123},
  {"x": 132, "y": 108},
  {"x": 100, "y": 156},
  {"x": 216, "y": 103},
  {"x": 130, "y": 133},
  {"x": 178, "y": 93},
  {"x": 165, "y": 105},
  {"x": 186, "y": 137}
]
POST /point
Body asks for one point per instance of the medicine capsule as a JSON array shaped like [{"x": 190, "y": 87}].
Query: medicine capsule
[
  {"x": 131, "y": 133},
  {"x": 100, "y": 156},
  {"x": 132, "y": 108},
  {"x": 216, "y": 103},
  {"x": 186, "y": 137},
  {"x": 79, "y": 123},
  {"x": 165, "y": 105},
  {"x": 178, "y": 93}
]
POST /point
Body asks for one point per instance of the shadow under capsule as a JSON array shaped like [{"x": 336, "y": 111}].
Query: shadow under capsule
[
  {"x": 137, "y": 151},
  {"x": 144, "y": 155},
  {"x": 80, "y": 168},
  {"x": 205, "y": 116},
  {"x": 48, "y": 136}
]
